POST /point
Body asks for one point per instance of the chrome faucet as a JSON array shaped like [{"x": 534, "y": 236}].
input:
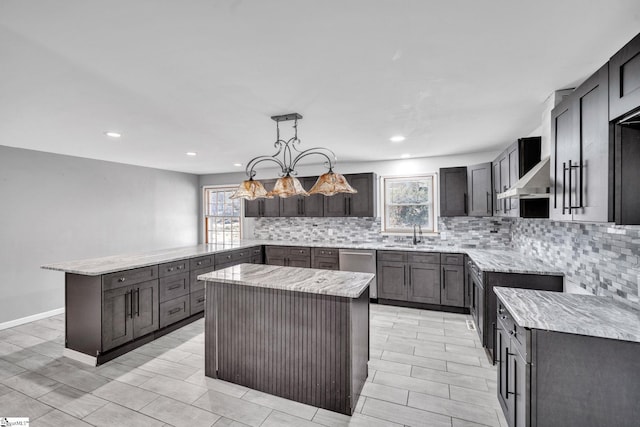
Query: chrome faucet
[{"x": 417, "y": 240}]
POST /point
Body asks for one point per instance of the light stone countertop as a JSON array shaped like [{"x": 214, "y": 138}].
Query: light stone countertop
[
  {"x": 308, "y": 280},
  {"x": 507, "y": 261},
  {"x": 590, "y": 315}
]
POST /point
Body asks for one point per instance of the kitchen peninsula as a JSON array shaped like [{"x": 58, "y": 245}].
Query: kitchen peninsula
[{"x": 298, "y": 333}]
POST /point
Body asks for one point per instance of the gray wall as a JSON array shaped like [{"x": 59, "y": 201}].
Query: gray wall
[{"x": 59, "y": 208}]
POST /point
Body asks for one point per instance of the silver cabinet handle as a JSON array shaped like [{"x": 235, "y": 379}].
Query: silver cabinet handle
[{"x": 122, "y": 279}]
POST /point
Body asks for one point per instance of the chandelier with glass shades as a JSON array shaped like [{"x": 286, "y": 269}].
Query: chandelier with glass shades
[{"x": 287, "y": 157}]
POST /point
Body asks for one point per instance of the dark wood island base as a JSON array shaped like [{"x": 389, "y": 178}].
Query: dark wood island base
[{"x": 308, "y": 347}]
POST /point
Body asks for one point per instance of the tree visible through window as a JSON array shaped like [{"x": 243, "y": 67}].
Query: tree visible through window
[
  {"x": 408, "y": 201},
  {"x": 223, "y": 223}
]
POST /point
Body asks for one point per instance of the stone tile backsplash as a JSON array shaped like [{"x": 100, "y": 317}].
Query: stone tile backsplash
[{"x": 599, "y": 257}]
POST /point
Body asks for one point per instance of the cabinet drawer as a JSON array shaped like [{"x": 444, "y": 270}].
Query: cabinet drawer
[
  {"x": 326, "y": 263},
  {"x": 173, "y": 268},
  {"x": 201, "y": 262},
  {"x": 195, "y": 284},
  {"x": 174, "y": 286},
  {"x": 325, "y": 252},
  {"x": 299, "y": 252},
  {"x": 197, "y": 301},
  {"x": 520, "y": 337},
  {"x": 174, "y": 310},
  {"x": 452, "y": 259},
  {"x": 392, "y": 256},
  {"x": 424, "y": 257},
  {"x": 225, "y": 257},
  {"x": 129, "y": 277},
  {"x": 276, "y": 251}
]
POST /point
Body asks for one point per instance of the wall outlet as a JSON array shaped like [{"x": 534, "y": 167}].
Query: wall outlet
[
  {"x": 443, "y": 235},
  {"x": 330, "y": 231}
]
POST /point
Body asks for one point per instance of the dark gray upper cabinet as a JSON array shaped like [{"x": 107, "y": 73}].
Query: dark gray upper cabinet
[
  {"x": 514, "y": 163},
  {"x": 581, "y": 153},
  {"x": 624, "y": 80},
  {"x": 479, "y": 185},
  {"x": 497, "y": 204},
  {"x": 263, "y": 207},
  {"x": 360, "y": 204},
  {"x": 453, "y": 191},
  {"x": 311, "y": 206}
]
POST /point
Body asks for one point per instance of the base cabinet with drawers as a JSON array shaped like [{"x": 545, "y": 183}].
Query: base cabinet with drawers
[
  {"x": 111, "y": 314},
  {"x": 421, "y": 278},
  {"x": 288, "y": 256},
  {"x": 325, "y": 258}
]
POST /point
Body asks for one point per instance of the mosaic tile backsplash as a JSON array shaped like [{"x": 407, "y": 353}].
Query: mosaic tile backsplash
[
  {"x": 599, "y": 257},
  {"x": 454, "y": 231}
]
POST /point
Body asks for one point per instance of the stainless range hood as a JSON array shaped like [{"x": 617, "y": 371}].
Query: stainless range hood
[{"x": 533, "y": 185}]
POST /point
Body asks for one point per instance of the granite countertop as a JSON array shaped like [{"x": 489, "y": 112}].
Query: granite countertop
[
  {"x": 309, "y": 280},
  {"x": 506, "y": 261},
  {"x": 591, "y": 315}
]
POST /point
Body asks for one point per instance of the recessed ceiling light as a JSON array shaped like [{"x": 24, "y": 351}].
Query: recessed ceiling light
[
  {"x": 113, "y": 134},
  {"x": 397, "y": 138},
  {"x": 406, "y": 156},
  {"x": 191, "y": 153},
  {"x": 237, "y": 165}
]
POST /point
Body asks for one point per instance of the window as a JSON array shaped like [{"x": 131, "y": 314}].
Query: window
[
  {"x": 222, "y": 215},
  {"x": 408, "y": 201}
]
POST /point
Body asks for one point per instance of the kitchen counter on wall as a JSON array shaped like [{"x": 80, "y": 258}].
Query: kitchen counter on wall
[
  {"x": 498, "y": 260},
  {"x": 589, "y": 315}
]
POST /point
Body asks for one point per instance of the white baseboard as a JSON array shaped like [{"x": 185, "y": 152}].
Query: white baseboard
[{"x": 32, "y": 318}]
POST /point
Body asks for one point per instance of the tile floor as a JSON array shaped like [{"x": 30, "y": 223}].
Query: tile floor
[{"x": 426, "y": 369}]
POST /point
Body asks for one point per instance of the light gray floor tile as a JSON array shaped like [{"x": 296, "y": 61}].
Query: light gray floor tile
[
  {"x": 234, "y": 408},
  {"x": 361, "y": 420},
  {"x": 168, "y": 369},
  {"x": 225, "y": 387},
  {"x": 280, "y": 419},
  {"x": 360, "y": 403},
  {"x": 478, "y": 351},
  {"x": 73, "y": 402},
  {"x": 39, "y": 331},
  {"x": 179, "y": 414},
  {"x": 49, "y": 348},
  {"x": 436, "y": 353},
  {"x": 164, "y": 353},
  {"x": 299, "y": 410},
  {"x": 404, "y": 414},
  {"x": 8, "y": 369},
  {"x": 393, "y": 367},
  {"x": 398, "y": 332},
  {"x": 412, "y": 384},
  {"x": 74, "y": 377},
  {"x": 13, "y": 353},
  {"x": 434, "y": 345},
  {"x": 464, "y": 423},
  {"x": 432, "y": 330},
  {"x": 467, "y": 342},
  {"x": 22, "y": 340},
  {"x": 409, "y": 359},
  {"x": 125, "y": 395},
  {"x": 124, "y": 373},
  {"x": 227, "y": 422},
  {"x": 36, "y": 362},
  {"x": 175, "y": 389},
  {"x": 112, "y": 415},
  {"x": 4, "y": 389},
  {"x": 383, "y": 392},
  {"x": 16, "y": 404},
  {"x": 194, "y": 360},
  {"x": 31, "y": 384},
  {"x": 474, "y": 371},
  {"x": 481, "y": 398},
  {"x": 57, "y": 418},
  {"x": 393, "y": 346},
  {"x": 462, "y": 410},
  {"x": 449, "y": 378},
  {"x": 375, "y": 353},
  {"x": 330, "y": 418}
]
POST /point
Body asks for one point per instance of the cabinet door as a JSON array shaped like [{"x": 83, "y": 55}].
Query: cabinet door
[
  {"x": 117, "y": 321},
  {"x": 361, "y": 204},
  {"x": 252, "y": 208},
  {"x": 452, "y": 293},
  {"x": 562, "y": 147},
  {"x": 299, "y": 262},
  {"x": 519, "y": 377},
  {"x": 624, "y": 79},
  {"x": 505, "y": 204},
  {"x": 270, "y": 207},
  {"x": 453, "y": 191},
  {"x": 391, "y": 280},
  {"x": 513, "y": 204},
  {"x": 291, "y": 206},
  {"x": 479, "y": 186},
  {"x": 505, "y": 396},
  {"x": 478, "y": 305},
  {"x": 497, "y": 204},
  {"x": 424, "y": 283},
  {"x": 335, "y": 205},
  {"x": 312, "y": 206},
  {"x": 146, "y": 302},
  {"x": 591, "y": 131}
]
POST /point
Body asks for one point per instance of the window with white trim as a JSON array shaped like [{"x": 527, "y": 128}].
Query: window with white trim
[
  {"x": 408, "y": 201},
  {"x": 222, "y": 215}
]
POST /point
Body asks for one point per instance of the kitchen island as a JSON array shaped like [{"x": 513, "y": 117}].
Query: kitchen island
[{"x": 297, "y": 333}]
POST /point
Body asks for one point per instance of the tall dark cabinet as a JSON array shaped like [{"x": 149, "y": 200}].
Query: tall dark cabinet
[
  {"x": 479, "y": 187},
  {"x": 453, "y": 191},
  {"x": 581, "y": 154},
  {"x": 624, "y": 80}
]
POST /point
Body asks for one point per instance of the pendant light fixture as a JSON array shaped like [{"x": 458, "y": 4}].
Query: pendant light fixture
[{"x": 328, "y": 184}]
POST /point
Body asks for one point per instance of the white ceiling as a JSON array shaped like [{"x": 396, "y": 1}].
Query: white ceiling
[{"x": 174, "y": 76}]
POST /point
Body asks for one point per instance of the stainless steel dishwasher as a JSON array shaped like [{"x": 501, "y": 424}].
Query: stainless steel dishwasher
[{"x": 360, "y": 260}]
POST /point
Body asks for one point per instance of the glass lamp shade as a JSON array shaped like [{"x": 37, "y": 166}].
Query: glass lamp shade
[
  {"x": 330, "y": 184},
  {"x": 288, "y": 186},
  {"x": 251, "y": 190}
]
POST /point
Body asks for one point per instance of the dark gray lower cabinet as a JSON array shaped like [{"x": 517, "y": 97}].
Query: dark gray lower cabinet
[
  {"x": 452, "y": 285},
  {"x": 391, "y": 279},
  {"x": 289, "y": 256},
  {"x": 129, "y": 312},
  {"x": 555, "y": 379},
  {"x": 174, "y": 310},
  {"x": 325, "y": 258},
  {"x": 424, "y": 283}
]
